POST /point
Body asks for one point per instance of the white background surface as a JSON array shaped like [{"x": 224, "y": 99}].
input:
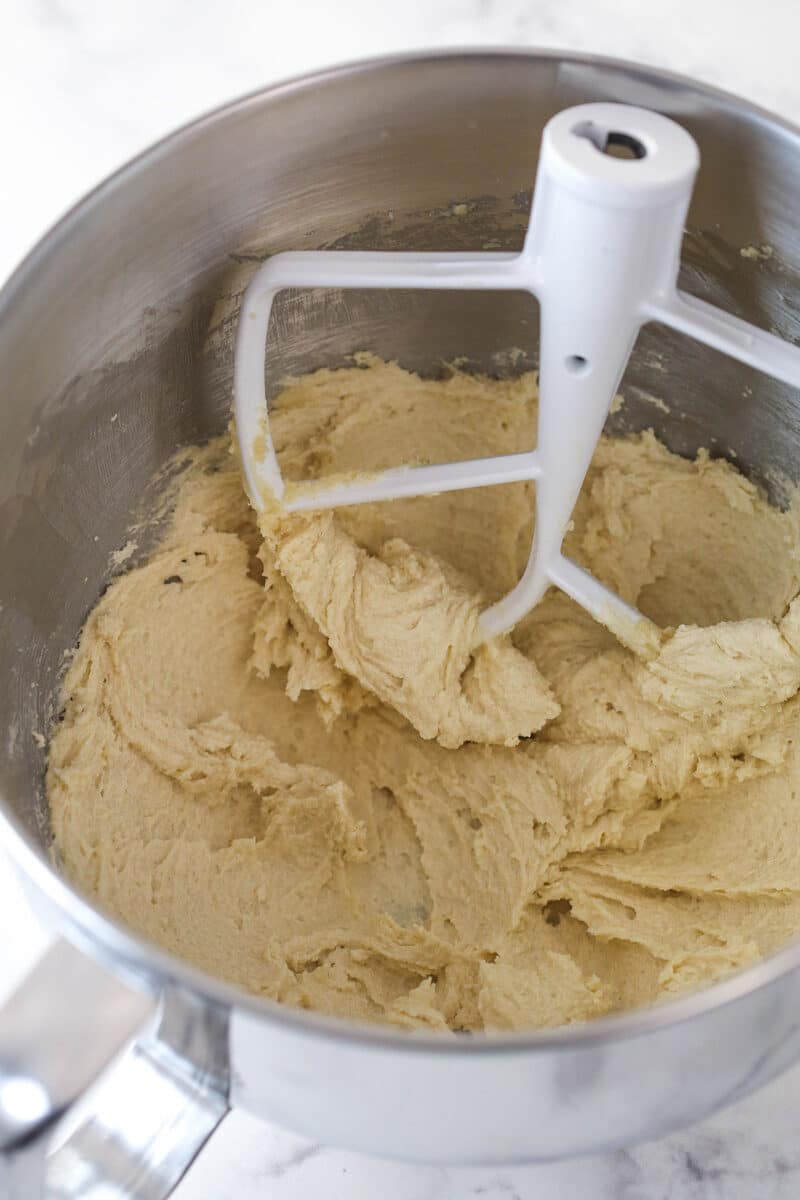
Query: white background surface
[{"x": 84, "y": 84}]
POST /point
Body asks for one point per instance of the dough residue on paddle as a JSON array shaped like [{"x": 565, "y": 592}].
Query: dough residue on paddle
[{"x": 286, "y": 756}]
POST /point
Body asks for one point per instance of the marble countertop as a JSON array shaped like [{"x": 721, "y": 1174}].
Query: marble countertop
[{"x": 84, "y": 84}]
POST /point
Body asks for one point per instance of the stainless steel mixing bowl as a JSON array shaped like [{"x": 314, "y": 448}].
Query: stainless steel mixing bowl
[{"x": 115, "y": 348}]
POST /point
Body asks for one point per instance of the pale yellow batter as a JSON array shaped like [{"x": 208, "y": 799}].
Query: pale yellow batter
[{"x": 283, "y": 758}]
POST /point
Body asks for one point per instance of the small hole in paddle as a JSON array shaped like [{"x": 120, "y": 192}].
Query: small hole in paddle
[
  {"x": 611, "y": 142},
  {"x": 624, "y": 145},
  {"x": 576, "y": 364}
]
